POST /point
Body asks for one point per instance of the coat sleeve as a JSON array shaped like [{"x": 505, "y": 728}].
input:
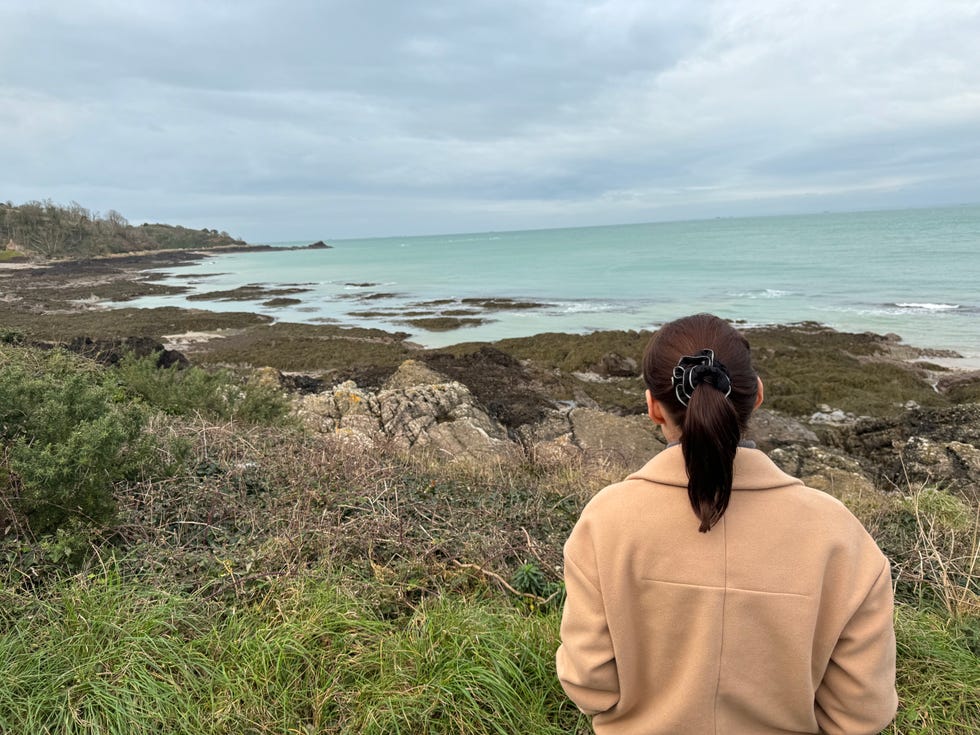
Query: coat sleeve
[
  {"x": 585, "y": 659},
  {"x": 857, "y": 694}
]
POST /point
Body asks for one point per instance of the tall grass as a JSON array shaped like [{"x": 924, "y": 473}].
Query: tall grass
[
  {"x": 102, "y": 655},
  {"x": 938, "y": 675}
]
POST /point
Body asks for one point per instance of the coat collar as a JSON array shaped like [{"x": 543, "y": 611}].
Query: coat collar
[{"x": 753, "y": 470}]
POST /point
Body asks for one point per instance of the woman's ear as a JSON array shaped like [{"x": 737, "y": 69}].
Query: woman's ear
[
  {"x": 654, "y": 410},
  {"x": 760, "y": 395}
]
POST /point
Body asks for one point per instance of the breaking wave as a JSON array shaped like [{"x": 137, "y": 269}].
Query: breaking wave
[
  {"x": 916, "y": 306},
  {"x": 765, "y": 293}
]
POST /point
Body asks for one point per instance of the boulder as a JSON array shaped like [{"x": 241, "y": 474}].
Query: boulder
[
  {"x": 827, "y": 469},
  {"x": 632, "y": 439},
  {"x": 614, "y": 365},
  {"x": 267, "y": 377},
  {"x": 443, "y": 415},
  {"x": 629, "y": 440},
  {"x": 345, "y": 410},
  {"x": 769, "y": 429},
  {"x": 833, "y": 417}
]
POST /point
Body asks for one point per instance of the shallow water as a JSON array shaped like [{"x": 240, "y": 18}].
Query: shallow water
[{"x": 910, "y": 272}]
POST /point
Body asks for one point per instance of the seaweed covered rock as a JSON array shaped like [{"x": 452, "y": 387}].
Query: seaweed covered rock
[
  {"x": 112, "y": 351},
  {"x": 614, "y": 365},
  {"x": 924, "y": 445},
  {"x": 960, "y": 386},
  {"x": 498, "y": 381},
  {"x": 634, "y": 439}
]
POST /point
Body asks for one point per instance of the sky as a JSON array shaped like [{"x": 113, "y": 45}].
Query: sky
[{"x": 286, "y": 120}]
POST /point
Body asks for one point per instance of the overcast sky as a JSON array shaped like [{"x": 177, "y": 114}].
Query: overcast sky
[{"x": 288, "y": 120}]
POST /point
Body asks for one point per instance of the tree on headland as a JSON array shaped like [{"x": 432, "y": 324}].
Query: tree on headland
[{"x": 44, "y": 230}]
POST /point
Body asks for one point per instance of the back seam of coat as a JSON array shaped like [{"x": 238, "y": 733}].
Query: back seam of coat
[{"x": 724, "y": 607}]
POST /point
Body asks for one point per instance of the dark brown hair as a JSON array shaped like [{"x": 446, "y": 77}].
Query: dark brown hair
[{"x": 711, "y": 424}]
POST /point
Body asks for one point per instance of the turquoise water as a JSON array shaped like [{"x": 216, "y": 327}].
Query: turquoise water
[{"x": 911, "y": 272}]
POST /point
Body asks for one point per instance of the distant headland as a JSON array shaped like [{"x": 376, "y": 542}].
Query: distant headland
[{"x": 39, "y": 231}]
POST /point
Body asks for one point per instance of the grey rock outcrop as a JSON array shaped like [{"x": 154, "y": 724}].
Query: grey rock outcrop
[
  {"x": 417, "y": 407},
  {"x": 444, "y": 415},
  {"x": 629, "y": 440},
  {"x": 420, "y": 407},
  {"x": 344, "y": 410},
  {"x": 411, "y": 374},
  {"x": 825, "y": 469},
  {"x": 769, "y": 430}
]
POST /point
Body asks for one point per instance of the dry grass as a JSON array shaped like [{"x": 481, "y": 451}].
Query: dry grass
[{"x": 259, "y": 504}]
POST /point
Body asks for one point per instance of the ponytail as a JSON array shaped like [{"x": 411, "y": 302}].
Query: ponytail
[
  {"x": 710, "y": 401},
  {"x": 709, "y": 439}
]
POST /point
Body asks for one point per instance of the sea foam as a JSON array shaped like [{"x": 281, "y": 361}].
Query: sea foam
[{"x": 927, "y": 306}]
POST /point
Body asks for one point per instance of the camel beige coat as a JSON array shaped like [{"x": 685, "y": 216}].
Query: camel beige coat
[{"x": 778, "y": 620}]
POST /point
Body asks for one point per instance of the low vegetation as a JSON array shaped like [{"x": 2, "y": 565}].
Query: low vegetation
[{"x": 232, "y": 572}]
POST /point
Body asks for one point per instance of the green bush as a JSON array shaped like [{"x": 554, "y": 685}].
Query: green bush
[
  {"x": 214, "y": 394},
  {"x": 11, "y": 336},
  {"x": 67, "y": 437}
]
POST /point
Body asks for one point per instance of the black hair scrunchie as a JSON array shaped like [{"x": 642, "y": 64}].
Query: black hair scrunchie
[{"x": 693, "y": 370}]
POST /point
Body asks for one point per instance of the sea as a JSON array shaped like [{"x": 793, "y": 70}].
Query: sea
[{"x": 912, "y": 272}]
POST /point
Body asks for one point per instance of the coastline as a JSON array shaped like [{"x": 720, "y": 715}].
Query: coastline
[
  {"x": 64, "y": 300},
  {"x": 105, "y": 282}
]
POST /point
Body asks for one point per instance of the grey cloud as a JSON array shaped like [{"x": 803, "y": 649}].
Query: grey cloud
[{"x": 262, "y": 117}]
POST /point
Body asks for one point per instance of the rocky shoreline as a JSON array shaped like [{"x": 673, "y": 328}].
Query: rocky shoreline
[
  {"x": 418, "y": 407},
  {"x": 848, "y": 413}
]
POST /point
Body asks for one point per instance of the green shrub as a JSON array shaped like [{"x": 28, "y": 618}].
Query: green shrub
[
  {"x": 67, "y": 437},
  {"x": 11, "y": 336},
  {"x": 214, "y": 394}
]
